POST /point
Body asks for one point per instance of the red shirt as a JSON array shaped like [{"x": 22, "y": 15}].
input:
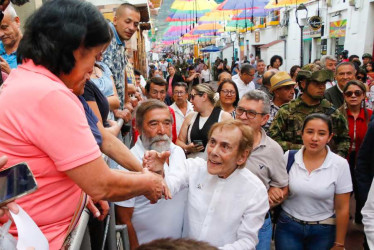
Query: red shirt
[
  {"x": 361, "y": 127},
  {"x": 173, "y": 130}
]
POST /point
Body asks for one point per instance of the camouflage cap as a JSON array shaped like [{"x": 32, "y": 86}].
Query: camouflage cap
[
  {"x": 322, "y": 75},
  {"x": 311, "y": 67},
  {"x": 317, "y": 76},
  {"x": 303, "y": 74},
  {"x": 366, "y": 55}
]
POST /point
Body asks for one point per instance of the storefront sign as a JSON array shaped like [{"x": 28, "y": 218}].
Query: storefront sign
[
  {"x": 337, "y": 29},
  {"x": 310, "y": 33},
  {"x": 257, "y": 36},
  {"x": 315, "y": 22}
]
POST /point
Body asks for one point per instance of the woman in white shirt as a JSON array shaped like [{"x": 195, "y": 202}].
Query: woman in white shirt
[
  {"x": 205, "y": 74},
  {"x": 316, "y": 213}
]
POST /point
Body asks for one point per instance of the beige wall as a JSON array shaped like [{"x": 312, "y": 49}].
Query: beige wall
[{"x": 27, "y": 9}]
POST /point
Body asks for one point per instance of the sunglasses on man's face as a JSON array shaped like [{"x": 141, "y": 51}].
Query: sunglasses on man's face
[{"x": 357, "y": 93}]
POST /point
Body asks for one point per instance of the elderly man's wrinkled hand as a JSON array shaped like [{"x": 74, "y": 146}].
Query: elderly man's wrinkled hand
[{"x": 155, "y": 161}]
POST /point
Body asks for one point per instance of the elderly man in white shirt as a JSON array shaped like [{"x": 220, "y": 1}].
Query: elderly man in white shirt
[
  {"x": 182, "y": 107},
  {"x": 226, "y": 203},
  {"x": 244, "y": 81},
  {"x": 145, "y": 221}
]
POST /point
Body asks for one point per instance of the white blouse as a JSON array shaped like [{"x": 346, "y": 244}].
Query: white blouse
[{"x": 311, "y": 195}]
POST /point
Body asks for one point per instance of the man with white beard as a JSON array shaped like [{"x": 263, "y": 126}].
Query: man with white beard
[{"x": 146, "y": 221}]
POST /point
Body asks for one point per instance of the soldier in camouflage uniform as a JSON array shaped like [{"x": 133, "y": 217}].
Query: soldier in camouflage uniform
[{"x": 286, "y": 126}]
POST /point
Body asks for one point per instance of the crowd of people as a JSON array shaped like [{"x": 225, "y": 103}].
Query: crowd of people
[{"x": 219, "y": 153}]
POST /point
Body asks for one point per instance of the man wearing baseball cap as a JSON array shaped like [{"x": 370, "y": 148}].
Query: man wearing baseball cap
[
  {"x": 287, "y": 124},
  {"x": 283, "y": 89}
]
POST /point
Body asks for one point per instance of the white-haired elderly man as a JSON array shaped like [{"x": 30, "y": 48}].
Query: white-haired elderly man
[
  {"x": 10, "y": 35},
  {"x": 146, "y": 221},
  {"x": 329, "y": 62}
]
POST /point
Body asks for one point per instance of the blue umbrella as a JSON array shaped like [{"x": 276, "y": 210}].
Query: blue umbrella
[{"x": 210, "y": 48}]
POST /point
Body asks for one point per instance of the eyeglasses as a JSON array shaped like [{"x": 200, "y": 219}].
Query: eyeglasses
[
  {"x": 359, "y": 77},
  {"x": 228, "y": 92},
  {"x": 192, "y": 96},
  {"x": 178, "y": 93},
  {"x": 357, "y": 93},
  {"x": 251, "y": 114}
]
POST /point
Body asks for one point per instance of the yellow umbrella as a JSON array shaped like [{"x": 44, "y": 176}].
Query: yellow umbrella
[
  {"x": 282, "y": 3},
  {"x": 193, "y": 5}
]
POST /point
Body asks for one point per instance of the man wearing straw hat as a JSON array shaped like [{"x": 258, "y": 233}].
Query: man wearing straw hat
[{"x": 283, "y": 89}]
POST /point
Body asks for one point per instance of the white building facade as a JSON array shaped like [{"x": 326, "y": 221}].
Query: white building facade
[{"x": 346, "y": 25}]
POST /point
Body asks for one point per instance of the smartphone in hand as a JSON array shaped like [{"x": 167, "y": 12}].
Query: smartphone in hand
[{"x": 15, "y": 182}]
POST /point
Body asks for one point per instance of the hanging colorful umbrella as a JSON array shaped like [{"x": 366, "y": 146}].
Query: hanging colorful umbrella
[
  {"x": 242, "y": 4},
  {"x": 207, "y": 28},
  {"x": 220, "y": 15},
  {"x": 247, "y": 14},
  {"x": 273, "y": 4},
  {"x": 193, "y": 5},
  {"x": 183, "y": 16}
]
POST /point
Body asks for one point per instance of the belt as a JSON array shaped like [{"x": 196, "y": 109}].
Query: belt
[{"x": 328, "y": 221}]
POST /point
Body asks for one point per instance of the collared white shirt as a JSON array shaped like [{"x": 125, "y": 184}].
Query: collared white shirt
[
  {"x": 179, "y": 116},
  {"x": 165, "y": 218},
  {"x": 235, "y": 77},
  {"x": 330, "y": 84},
  {"x": 242, "y": 87},
  {"x": 311, "y": 195},
  {"x": 226, "y": 213},
  {"x": 368, "y": 218}
]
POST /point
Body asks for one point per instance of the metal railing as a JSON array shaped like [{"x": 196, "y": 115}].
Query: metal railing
[{"x": 115, "y": 236}]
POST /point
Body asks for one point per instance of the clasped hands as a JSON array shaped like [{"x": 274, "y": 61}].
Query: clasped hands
[{"x": 154, "y": 161}]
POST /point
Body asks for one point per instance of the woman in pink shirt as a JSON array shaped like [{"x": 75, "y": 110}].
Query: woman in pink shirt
[{"x": 42, "y": 122}]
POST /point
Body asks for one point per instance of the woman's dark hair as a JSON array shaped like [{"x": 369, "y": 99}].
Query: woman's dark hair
[
  {"x": 372, "y": 66},
  {"x": 57, "y": 29},
  {"x": 274, "y": 58},
  {"x": 361, "y": 71},
  {"x": 293, "y": 70},
  {"x": 326, "y": 119},
  {"x": 363, "y": 88},
  {"x": 235, "y": 87}
]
